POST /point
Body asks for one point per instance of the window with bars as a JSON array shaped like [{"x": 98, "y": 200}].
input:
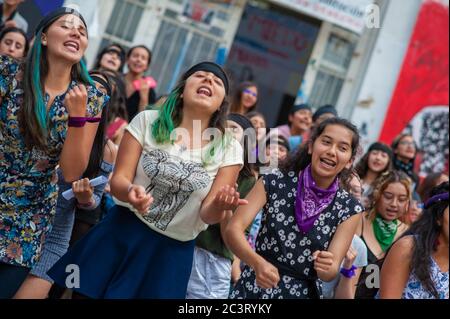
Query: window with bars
[
  {"x": 176, "y": 49},
  {"x": 124, "y": 21},
  {"x": 332, "y": 71}
]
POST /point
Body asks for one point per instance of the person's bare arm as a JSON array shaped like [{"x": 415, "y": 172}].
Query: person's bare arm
[
  {"x": 396, "y": 269},
  {"x": 78, "y": 144},
  {"x": 222, "y": 196},
  {"x": 327, "y": 263},
  {"x": 346, "y": 287},
  {"x": 266, "y": 274},
  {"x": 124, "y": 172}
]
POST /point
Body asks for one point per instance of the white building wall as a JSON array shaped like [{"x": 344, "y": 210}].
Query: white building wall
[
  {"x": 99, "y": 13},
  {"x": 384, "y": 68}
]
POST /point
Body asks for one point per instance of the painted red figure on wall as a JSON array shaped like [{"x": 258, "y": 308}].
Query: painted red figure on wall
[{"x": 421, "y": 98}]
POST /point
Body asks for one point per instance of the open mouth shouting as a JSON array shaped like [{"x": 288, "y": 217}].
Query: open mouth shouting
[
  {"x": 204, "y": 90},
  {"x": 72, "y": 45},
  {"x": 327, "y": 163}
]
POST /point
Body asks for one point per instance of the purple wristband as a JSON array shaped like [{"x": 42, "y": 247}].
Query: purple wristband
[
  {"x": 349, "y": 273},
  {"x": 81, "y": 121}
]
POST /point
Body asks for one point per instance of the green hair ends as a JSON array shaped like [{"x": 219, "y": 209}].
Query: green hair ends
[
  {"x": 164, "y": 125},
  {"x": 85, "y": 73}
]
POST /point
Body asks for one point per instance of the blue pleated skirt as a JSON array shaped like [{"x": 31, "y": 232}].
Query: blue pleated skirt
[{"x": 122, "y": 258}]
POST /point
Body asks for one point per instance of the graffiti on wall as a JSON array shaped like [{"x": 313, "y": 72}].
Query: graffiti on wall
[{"x": 421, "y": 97}]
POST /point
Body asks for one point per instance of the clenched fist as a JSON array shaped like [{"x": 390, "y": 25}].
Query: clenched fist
[
  {"x": 83, "y": 191},
  {"x": 266, "y": 275},
  {"x": 76, "y": 101},
  {"x": 323, "y": 261}
]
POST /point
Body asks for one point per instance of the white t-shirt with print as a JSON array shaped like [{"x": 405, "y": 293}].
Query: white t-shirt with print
[{"x": 176, "y": 178}]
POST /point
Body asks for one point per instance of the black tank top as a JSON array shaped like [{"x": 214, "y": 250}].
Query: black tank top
[{"x": 362, "y": 289}]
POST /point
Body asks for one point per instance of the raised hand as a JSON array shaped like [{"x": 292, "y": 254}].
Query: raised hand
[
  {"x": 139, "y": 199},
  {"x": 76, "y": 101},
  {"x": 228, "y": 199},
  {"x": 83, "y": 191},
  {"x": 350, "y": 258},
  {"x": 144, "y": 88},
  {"x": 266, "y": 275}
]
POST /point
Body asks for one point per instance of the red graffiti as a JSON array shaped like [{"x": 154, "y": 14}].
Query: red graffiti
[
  {"x": 245, "y": 57},
  {"x": 423, "y": 79}
]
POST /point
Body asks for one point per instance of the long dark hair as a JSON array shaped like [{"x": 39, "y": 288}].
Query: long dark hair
[
  {"x": 98, "y": 146},
  {"x": 112, "y": 46},
  {"x": 117, "y": 101},
  {"x": 236, "y": 104},
  {"x": 33, "y": 112},
  {"x": 171, "y": 113},
  {"x": 21, "y": 32},
  {"x": 249, "y": 145},
  {"x": 301, "y": 159},
  {"x": 426, "y": 231},
  {"x": 149, "y": 60},
  {"x": 363, "y": 166},
  {"x": 396, "y": 160}
]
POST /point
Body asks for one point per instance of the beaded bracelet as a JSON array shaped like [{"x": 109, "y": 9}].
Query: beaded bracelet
[
  {"x": 349, "y": 273},
  {"x": 81, "y": 121}
]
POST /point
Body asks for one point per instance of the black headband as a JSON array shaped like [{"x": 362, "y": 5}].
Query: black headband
[
  {"x": 241, "y": 120},
  {"x": 279, "y": 140},
  {"x": 213, "y": 68},
  {"x": 299, "y": 107},
  {"x": 381, "y": 147},
  {"x": 324, "y": 110},
  {"x": 115, "y": 50},
  {"x": 52, "y": 16},
  {"x": 104, "y": 83}
]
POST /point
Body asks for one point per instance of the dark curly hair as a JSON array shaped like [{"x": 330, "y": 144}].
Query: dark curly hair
[{"x": 301, "y": 159}]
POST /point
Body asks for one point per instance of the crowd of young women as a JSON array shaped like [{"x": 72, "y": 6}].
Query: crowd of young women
[{"x": 187, "y": 213}]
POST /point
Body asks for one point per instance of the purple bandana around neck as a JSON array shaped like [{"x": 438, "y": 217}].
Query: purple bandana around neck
[{"x": 311, "y": 200}]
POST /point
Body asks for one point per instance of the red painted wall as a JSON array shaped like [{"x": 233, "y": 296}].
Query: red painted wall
[{"x": 424, "y": 76}]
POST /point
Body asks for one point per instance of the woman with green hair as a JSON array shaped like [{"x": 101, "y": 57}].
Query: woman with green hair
[
  {"x": 48, "y": 115},
  {"x": 167, "y": 189}
]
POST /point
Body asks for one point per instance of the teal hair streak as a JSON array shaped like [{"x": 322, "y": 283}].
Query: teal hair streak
[
  {"x": 85, "y": 74},
  {"x": 35, "y": 71},
  {"x": 164, "y": 125}
]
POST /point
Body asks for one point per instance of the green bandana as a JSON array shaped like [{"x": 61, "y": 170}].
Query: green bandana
[{"x": 384, "y": 231}]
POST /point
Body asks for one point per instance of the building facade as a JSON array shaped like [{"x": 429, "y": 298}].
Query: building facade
[{"x": 348, "y": 53}]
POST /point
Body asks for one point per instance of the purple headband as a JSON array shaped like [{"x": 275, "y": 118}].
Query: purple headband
[{"x": 435, "y": 199}]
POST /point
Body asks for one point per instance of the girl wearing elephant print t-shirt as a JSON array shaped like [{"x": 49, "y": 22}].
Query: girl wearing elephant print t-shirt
[{"x": 173, "y": 189}]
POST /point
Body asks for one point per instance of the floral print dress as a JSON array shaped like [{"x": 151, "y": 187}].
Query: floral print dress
[
  {"x": 28, "y": 180},
  {"x": 282, "y": 244},
  {"x": 415, "y": 290}
]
